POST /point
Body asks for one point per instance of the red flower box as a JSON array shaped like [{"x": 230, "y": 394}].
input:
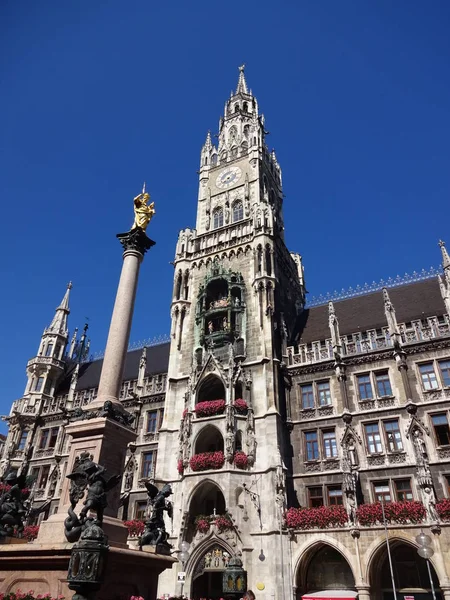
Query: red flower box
[
  {"x": 202, "y": 524},
  {"x": 240, "y": 460},
  {"x": 240, "y": 406},
  {"x": 395, "y": 512},
  {"x": 316, "y": 518},
  {"x": 30, "y": 532},
  {"x": 443, "y": 509},
  {"x": 135, "y": 527},
  {"x": 209, "y": 408},
  {"x": 207, "y": 460},
  {"x": 223, "y": 523}
]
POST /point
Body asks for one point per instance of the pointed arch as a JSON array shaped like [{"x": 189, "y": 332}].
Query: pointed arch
[
  {"x": 211, "y": 387},
  {"x": 238, "y": 210},
  {"x": 209, "y": 439},
  {"x": 178, "y": 284},
  {"x": 218, "y": 217}
]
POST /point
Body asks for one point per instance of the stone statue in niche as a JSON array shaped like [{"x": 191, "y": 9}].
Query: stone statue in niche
[
  {"x": 429, "y": 500},
  {"x": 251, "y": 447},
  {"x": 229, "y": 446}
]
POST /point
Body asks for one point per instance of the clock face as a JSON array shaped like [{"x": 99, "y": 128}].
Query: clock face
[{"x": 228, "y": 177}]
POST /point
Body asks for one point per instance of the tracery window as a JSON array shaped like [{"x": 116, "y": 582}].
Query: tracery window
[
  {"x": 218, "y": 218},
  {"x": 238, "y": 211}
]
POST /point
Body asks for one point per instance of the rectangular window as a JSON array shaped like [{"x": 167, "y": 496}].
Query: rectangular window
[
  {"x": 53, "y": 437},
  {"x": 311, "y": 445},
  {"x": 147, "y": 464},
  {"x": 49, "y": 350},
  {"x": 444, "y": 366},
  {"x": 315, "y": 496},
  {"x": 334, "y": 494},
  {"x": 393, "y": 436},
  {"x": 34, "y": 474},
  {"x": 364, "y": 387},
  {"x": 382, "y": 491},
  {"x": 428, "y": 375},
  {"x": 324, "y": 393},
  {"x": 307, "y": 396},
  {"x": 383, "y": 384},
  {"x": 39, "y": 384},
  {"x": 373, "y": 438},
  {"x": 441, "y": 429},
  {"x": 329, "y": 443},
  {"x": 23, "y": 440},
  {"x": 44, "y": 476},
  {"x": 151, "y": 421},
  {"x": 140, "y": 509},
  {"x": 403, "y": 490},
  {"x": 44, "y": 439}
]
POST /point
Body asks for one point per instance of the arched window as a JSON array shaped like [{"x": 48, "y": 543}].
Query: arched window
[
  {"x": 49, "y": 350},
  {"x": 178, "y": 286},
  {"x": 233, "y": 135},
  {"x": 238, "y": 211},
  {"x": 246, "y": 131},
  {"x": 238, "y": 442},
  {"x": 245, "y": 107},
  {"x": 218, "y": 218},
  {"x": 236, "y": 108},
  {"x": 214, "y": 160},
  {"x": 206, "y": 160},
  {"x": 234, "y": 152},
  {"x": 268, "y": 261}
]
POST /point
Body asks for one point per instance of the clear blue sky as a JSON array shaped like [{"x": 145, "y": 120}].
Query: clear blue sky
[{"x": 98, "y": 96}]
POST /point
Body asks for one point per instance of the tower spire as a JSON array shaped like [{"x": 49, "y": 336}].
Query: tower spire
[
  {"x": 59, "y": 321},
  {"x": 242, "y": 84},
  {"x": 445, "y": 256}
]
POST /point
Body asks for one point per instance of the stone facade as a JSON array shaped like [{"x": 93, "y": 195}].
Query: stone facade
[{"x": 260, "y": 404}]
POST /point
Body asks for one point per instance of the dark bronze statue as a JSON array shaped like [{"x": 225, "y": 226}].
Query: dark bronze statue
[
  {"x": 87, "y": 474},
  {"x": 155, "y": 533},
  {"x": 12, "y": 509}
]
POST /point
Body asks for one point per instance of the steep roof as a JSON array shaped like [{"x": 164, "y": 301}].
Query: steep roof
[
  {"x": 417, "y": 300},
  {"x": 89, "y": 374}
]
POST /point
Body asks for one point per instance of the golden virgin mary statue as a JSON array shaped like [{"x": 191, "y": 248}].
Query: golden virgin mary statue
[{"x": 143, "y": 212}]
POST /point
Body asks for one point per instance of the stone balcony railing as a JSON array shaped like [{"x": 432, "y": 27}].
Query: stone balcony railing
[
  {"x": 368, "y": 341},
  {"x": 45, "y": 360},
  {"x": 43, "y": 452},
  {"x": 438, "y": 394}
]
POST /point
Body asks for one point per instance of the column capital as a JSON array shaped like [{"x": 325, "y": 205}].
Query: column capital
[{"x": 136, "y": 240}]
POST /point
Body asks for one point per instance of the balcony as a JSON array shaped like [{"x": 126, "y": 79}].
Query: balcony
[{"x": 47, "y": 361}]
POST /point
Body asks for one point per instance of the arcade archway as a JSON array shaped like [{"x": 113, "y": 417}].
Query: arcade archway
[
  {"x": 312, "y": 576},
  {"x": 207, "y": 576},
  {"x": 410, "y": 573}
]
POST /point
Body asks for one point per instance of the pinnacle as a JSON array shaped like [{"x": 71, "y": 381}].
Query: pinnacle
[
  {"x": 445, "y": 256},
  {"x": 242, "y": 84}
]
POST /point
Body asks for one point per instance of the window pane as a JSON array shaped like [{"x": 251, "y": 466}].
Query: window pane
[
  {"x": 315, "y": 496},
  {"x": 373, "y": 438},
  {"x": 444, "y": 365},
  {"x": 147, "y": 464},
  {"x": 329, "y": 443},
  {"x": 49, "y": 350},
  {"x": 393, "y": 436},
  {"x": 44, "y": 476},
  {"x": 441, "y": 429},
  {"x": 307, "y": 396},
  {"x": 403, "y": 490},
  {"x": 238, "y": 211},
  {"x": 383, "y": 384},
  {"x": 218, "y": 218},
  {"x": 312, "y": 445},
  {"x": 44, "y": 438},
  {"x": 364, "y": 387},
  {"x": 151, "y": 421},
  {"x": 139, "y": 511},
  {"x": 53, "y": 437},
  {"x": 382, "y": 491},
  {"x": 39, "y": 384},
  {"x": 23, "y": 440},
  {"x": 334, "y": 494},
  {"x": 324, "y": 392},
  {"x": 429, "y": 380}
]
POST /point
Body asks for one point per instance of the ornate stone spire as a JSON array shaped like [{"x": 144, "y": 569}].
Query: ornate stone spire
[
  {"x": 389, "y": 311},
  {"x": 445, "y": 256},
  {"x": 334, "y": 328},
  {"x": 59, "y": 322},
  {"x": 242, "y": 84}
]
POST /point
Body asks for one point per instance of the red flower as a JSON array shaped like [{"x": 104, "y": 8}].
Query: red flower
[
  {"x": 209, "y": 408},
  {"x": 30, "y": 532},
  {"x": 316, "y": 518},
  {"x": 207, "y": 460},
  {"x": 240, "y": 460},
  {"x": 202, "y": 524},
  {"x": 135, "y": 527},
  {"x": 394, "y": 512},
  {"x": 443, "y": 509},
  {"x": 223, "y": 523},
  {"x": 240, "y": 406}
]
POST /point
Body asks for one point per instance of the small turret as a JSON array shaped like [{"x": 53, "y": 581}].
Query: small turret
[{"x": 444, "y": 279}]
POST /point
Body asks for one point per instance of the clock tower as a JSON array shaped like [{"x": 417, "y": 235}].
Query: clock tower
[{"x": 237, "y": 296}]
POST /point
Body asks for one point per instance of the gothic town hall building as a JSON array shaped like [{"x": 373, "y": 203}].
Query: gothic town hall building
[{"x": 286, "y": 429}]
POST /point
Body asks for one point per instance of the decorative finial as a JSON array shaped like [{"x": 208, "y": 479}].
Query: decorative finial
[
  {"x": 143, "y": 188},
  {"x": 441, "y": 244},
  {"x": 69, "y": 285},
  {"x": 242, "y": 68}
]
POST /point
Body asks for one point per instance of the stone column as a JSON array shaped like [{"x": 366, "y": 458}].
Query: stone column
[
  {"x": 135, "y": 244},
  {"x": 105, "y": 434}
]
